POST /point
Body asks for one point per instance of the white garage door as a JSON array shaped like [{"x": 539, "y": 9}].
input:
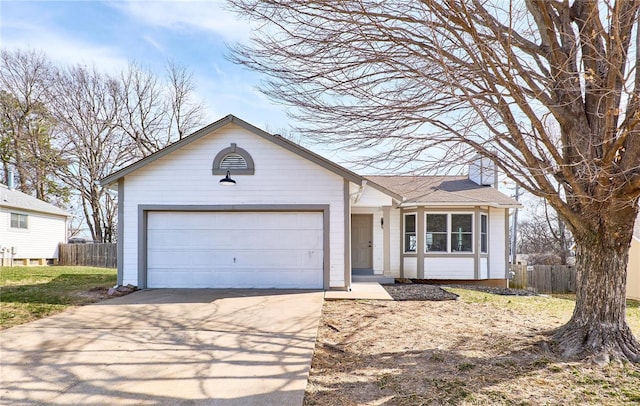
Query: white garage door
[{"x": 234, "y": 250}]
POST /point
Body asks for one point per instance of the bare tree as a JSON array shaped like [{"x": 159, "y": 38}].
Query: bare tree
[
  {"x": 87, "y": 105},
  {"x": 26, "y": 144},
  {"x": 549, "y": 90},
  {"x": 156, "y": 113},
  {"x": 185, "y": 113},
  {"x": 544, "y": 237},
  {"x": 143, "y": 117}
]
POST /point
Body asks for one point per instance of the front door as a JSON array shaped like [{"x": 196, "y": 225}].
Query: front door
[{"x": 361, "y": 241}]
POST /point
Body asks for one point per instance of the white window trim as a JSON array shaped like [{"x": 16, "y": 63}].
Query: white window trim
[
  {"x": 449, "y": 233},
  {"x": 404, "y": 232}
]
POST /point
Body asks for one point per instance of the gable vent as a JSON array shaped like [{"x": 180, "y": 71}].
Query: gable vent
[{"x": 233, "y": 161}]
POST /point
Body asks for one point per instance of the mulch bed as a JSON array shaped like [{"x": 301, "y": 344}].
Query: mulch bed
[{"x": 420, "y": 291}]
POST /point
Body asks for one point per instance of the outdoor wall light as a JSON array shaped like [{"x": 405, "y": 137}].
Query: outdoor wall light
[{"x": 227, "y": 181}]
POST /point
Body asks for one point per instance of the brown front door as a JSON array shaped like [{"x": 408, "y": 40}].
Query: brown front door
[{"x": 361, "y": 241}]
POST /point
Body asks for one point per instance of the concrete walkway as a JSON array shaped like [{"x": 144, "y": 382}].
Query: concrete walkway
[
  {"x": 177, "y": 347},
  {"x": 360, "y": 290}
]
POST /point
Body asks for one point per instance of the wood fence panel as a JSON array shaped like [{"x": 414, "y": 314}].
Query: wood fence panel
[
  {"x": 103, "y": 255},
  {"x": 544, "y": 278},
  {"x": 519, "y": 280}
]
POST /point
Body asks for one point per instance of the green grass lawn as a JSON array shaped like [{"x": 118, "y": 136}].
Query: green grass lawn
[
  {"x": 30, "y": 293},
  {"x": 558, "y": 305}
]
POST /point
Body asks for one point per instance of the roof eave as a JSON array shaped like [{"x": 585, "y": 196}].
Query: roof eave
[
  {"x": 51, "y": 213},
  {"x": 461, "y": 204}
]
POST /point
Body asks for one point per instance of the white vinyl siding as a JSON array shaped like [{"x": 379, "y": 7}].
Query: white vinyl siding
[
  {"x": 281, "y": 178},
  {"x": 410, "y": 267},
  {"x": 497, "y": 244},
  {"x": 39, "y": 241},
  {"x": 448, "y": 268},
  {"x": 484, "y": 268}
]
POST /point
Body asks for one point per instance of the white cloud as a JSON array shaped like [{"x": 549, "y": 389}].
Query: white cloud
[
  {"x": 62, "y": 48},
  {"x": 151, "y": 41},
  {"x": 208, "y": 16}
]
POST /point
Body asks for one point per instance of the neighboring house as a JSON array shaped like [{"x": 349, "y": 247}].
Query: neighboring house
[
  {"x": 234, "y": 206},
  {"x": 633, "y": 269},
  {"x": 30, "y": 229}
]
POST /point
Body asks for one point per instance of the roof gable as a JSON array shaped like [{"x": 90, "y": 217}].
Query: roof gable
[
  {"x": 15, "y": 199},
  {"x": 230, "y": 119}
]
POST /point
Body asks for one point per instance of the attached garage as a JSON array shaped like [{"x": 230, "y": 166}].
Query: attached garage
[{"x": 235, "y": 249}]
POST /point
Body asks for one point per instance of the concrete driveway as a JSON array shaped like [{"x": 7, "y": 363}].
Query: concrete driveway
[{"x": 166, "y": 346}]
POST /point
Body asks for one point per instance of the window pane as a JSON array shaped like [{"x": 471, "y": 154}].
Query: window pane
[
  {"x": 436, "y": 242},
  {"x": 410, "y": 243},
  {"x": 410, "y": 240},
  {"x": 461, "y": 222},
  {"x": 483, "y": 233},
  {"x": 461, "y": 242},
  {"x": 410, "y": 223},
  {"x": 436, "y": 223},
  {"x": 18, "y": 220}
]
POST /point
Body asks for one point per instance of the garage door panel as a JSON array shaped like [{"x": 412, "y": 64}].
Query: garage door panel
[
  {"x": 193, "y": 258},
  {"x": 240, "y": 249},
  {"x": 244, "y": 278}
]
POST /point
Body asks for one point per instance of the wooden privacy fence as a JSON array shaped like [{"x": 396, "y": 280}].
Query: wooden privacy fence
[
  {"x": 544, "y": 278},
  {"x": 101, "y": 255}
]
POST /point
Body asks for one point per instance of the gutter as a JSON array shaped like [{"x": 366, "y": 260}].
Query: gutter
[{"x": 461, "y": 204}]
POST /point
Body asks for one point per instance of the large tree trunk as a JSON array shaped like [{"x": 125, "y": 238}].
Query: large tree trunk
[{"x": 598, "y": 327}]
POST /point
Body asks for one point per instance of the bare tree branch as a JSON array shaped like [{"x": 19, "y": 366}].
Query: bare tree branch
[{"x": 547, "y": 89}]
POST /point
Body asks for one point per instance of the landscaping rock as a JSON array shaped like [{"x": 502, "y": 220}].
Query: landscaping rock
[{"x": 122, "y": 290}]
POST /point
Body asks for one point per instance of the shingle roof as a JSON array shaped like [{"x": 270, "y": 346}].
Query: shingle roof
[
  {"x": 432, "y": 190},
  {"x": 17, "y": 200}
]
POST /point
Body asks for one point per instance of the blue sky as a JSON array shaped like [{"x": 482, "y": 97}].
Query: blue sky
[{"x": 109, "y": 34}]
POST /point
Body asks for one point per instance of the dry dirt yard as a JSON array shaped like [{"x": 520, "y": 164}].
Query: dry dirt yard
[{"x": 481, "y": 349}]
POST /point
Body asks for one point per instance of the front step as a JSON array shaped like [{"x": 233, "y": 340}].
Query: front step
[{"x": 381, "y": 279}]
